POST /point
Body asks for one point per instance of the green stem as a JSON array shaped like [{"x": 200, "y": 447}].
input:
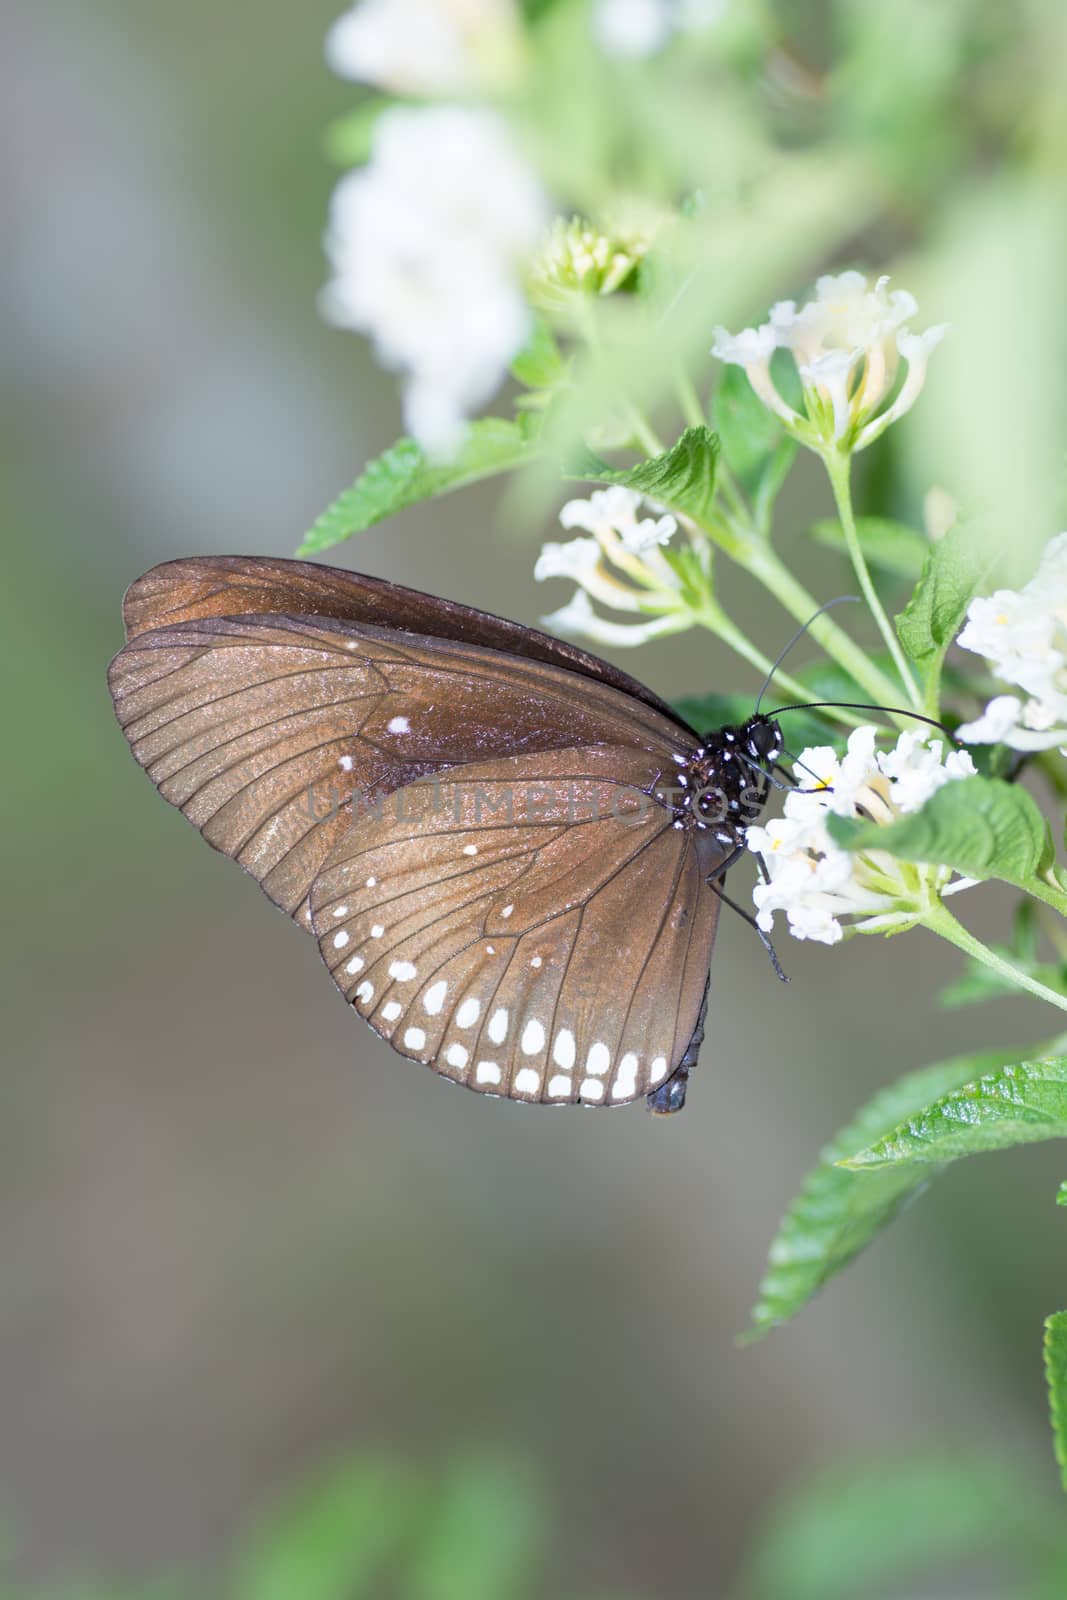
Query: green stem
[
  {"x": 941, "y": 921},
  {"x": 838, "y": 466},
  {"x": 717, "y": 622},
  {"x": 761, "y": 561}
]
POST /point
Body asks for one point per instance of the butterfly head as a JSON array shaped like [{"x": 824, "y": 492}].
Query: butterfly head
[{"x": 761, "y": 740}]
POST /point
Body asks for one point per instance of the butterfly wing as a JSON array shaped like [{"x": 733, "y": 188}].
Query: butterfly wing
[
  {"x": 263, "y": 728},
  {"x": 228, "y": 586},
  {"x": 532, "y": 926}
]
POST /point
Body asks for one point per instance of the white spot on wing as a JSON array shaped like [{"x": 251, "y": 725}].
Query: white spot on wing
[
  {"x": 456, "y": 1055},
  {"x": 626, "y": 1080},
  {"x": 658, "y": 1070},
  {"x": 414, "y": 1039},
  {"x": 391, "y": 1011},
  {"x": 498, "y": 1025},
  {"x": 599, "y": 1059},
  {"x": 340, "y": 911},
  {"x": 434, "y": 998},
  {"x": 377, "y": 931},
  {"x": 403, "y": 971},
  {"x": 345, "y": 763},
  {"x": 371, "y": 882},
  {"x": 340, "y": 940},
  {"x": 507, "y": 911},
  {"x": 400, "y": 725},
  {"x": 356, "y": 964},
  {"x": 533, "y": 1037},
  {"x": 487, "y": 1072},
  {"x": 536, "y": 962},
  {"x": 468, "y": 1013},
  {"x": 470, "y": 849},
  {"x": 527, "y": 1081},
  {"x": 559, "y": 1085},
  {"x": 563, "y": 1049},
  {"x": 591, "y": 1089},
  {"x": 365, "y": 992}
]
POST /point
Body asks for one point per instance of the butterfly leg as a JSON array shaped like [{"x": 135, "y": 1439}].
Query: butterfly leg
[{"x": 717, "y": 888}]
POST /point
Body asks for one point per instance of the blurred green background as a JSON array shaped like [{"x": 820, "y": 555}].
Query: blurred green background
[{"x": 238, "y": 1237}]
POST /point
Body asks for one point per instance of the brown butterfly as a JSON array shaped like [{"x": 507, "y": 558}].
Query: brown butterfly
[{"x": 510, "y": 852}]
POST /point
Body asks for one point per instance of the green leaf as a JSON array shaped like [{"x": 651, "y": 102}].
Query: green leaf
[
  {"x": 483, "y": 1535},
  {"x": 1061, "y": 1195},
  {"x": 755, "y": 446},
  {"x": 880, "y": 1528},
  {"x": 954, "y": 571},
  {"x": 1021, "y": 1103},
  {"x": 1056, "y": 1374},
  {"x": 983, "y": 827},
  {"x": 540, "y": 364},
  {"x": 837, "y": 1213},
  {"x": 748, "y": 432},
  {"x": 891, "y": 546},
  {"x": 404, "y": 475},
  {"x": 335, "y": 1540},
  {"x": 683, "y": 478}
]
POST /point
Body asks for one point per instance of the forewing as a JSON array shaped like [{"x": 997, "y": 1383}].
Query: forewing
[
  {"x": 532, "y": 927},
  {"x": 227, "y": 586},
  {"x": 267, "y": 732}
]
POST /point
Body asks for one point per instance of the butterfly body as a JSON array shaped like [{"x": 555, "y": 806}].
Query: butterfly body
[{"x": 508, "y": 851}]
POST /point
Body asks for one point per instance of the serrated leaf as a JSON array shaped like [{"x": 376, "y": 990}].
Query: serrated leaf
[
  {"x": 982, "y": 827},
  {"x": 335, "y": 1540},
  {"x": 404, "y": 475},
  {"x": 683, "y": 478},
  {"x": 955, "y": 570},
  {"x": 837, "y": 1213},
  {"x": 891, "y": 546},
  {"x": 1056, "y": 1375},
  {"x": 1023, "y": 1102}
]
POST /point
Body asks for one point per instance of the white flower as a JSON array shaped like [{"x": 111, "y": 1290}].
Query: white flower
[
  {"x": 578, "y": 619},
  {"x": 426, "y": 47},
  {"x": 813, "y": 880},
  {"x": 1023, "y": 636},
  {"x": 632, "y": 29},
  {"x": 847, "y": 344},
  {"x": 427, "y": 262},
  {"x": 621, "y": 566}
]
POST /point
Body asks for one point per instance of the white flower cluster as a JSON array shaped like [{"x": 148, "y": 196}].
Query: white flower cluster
[
  {"x": 847, "y": 344},
  {"x": 427, "y": 47},
  {"x": 1023, "y": 636},
  {"x": 621, "y": 565},
  {"x": 428, "y": 245},
  {"x": 636, "y": 29},
  {"x": 813, "y": 880}
]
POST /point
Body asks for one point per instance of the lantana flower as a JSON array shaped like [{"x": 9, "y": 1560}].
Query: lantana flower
[
  {"x": 620, "y": 564},
  {"x": 427, "y": 47},
  {"x": 576, "y": 257},
  {"x": 817, "y": 883},
  {"x": 847, "y": 344},
  {"x": 429, "y": 264},
  {"x": 1023, "y": 636}
]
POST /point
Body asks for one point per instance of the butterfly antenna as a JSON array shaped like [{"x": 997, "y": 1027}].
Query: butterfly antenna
[
  {"x": 853, "y": 705},
  {"x": 841, "y": 600}
]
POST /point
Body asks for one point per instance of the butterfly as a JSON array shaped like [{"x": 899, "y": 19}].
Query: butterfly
[{"x": 510, "y": 853}]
